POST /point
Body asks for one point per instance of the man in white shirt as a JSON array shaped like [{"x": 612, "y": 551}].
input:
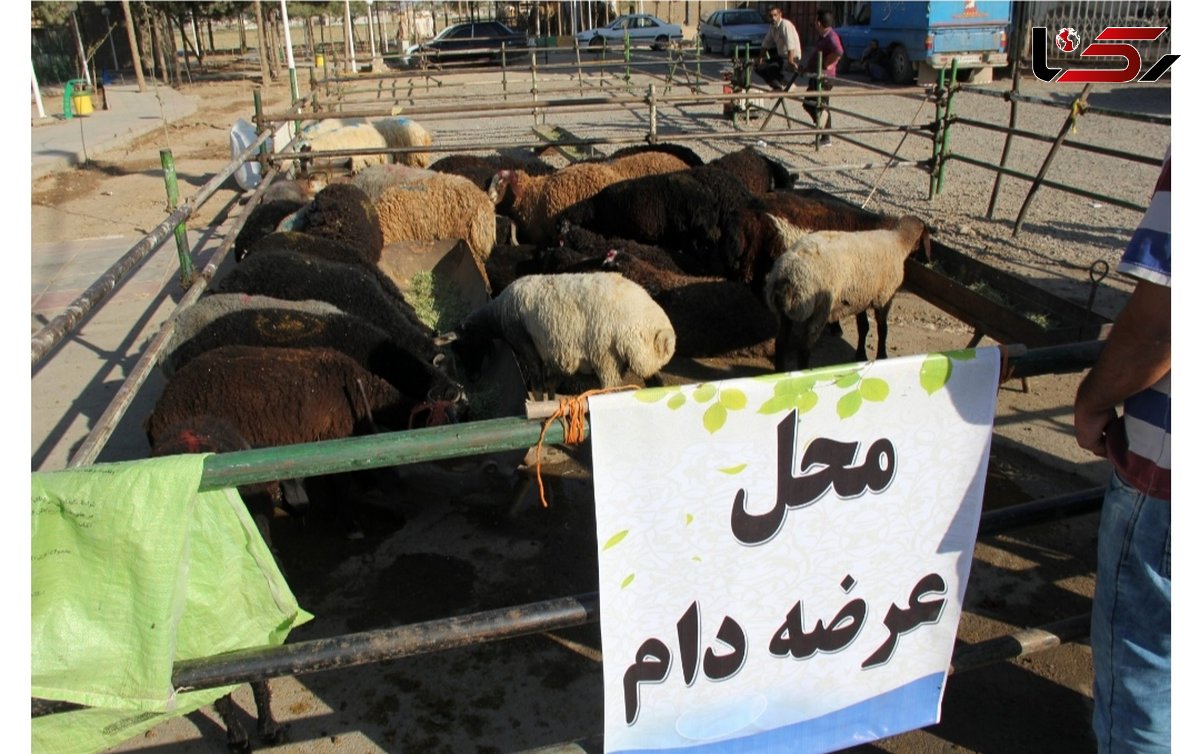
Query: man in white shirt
[{"x": 780, "y": 50}]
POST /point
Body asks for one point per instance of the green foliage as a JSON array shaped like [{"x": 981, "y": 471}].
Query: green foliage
[{"x": 51, "y": 14}]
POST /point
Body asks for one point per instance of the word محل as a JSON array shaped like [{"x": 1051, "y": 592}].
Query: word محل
[
  {"x": 826, "y": 464},
  {"x": 653, "y": 659}
]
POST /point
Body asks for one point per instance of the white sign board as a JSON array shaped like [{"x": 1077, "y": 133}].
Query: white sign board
[{"x": 783, "y": 558}]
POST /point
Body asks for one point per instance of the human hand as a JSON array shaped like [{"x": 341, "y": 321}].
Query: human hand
[{"x": 1091, "y": 427}]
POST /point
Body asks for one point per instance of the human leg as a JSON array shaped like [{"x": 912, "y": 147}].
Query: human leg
[
  {"x": 1131, "y": 623},
  {"x": 771, "y": 72}
]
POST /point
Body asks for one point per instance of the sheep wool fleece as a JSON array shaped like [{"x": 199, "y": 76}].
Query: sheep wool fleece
[{"x": 600, "y": 323}]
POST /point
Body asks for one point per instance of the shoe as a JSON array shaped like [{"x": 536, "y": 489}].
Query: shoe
[
  {"x": 825, "y": 140},
  {"x": 775, "y": 86}
]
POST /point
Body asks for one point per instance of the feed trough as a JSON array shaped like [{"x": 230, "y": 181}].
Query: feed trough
[
  {"x": 998, "y": 304},
  {"x": 444, "y": 283}
]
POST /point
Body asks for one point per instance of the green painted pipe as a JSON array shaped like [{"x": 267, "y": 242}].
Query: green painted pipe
[
  {"x": 492, "y": 435},
  {"x": 186, "y": 270}
]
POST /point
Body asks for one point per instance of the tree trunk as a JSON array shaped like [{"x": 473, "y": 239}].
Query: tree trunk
[
  {"x": 79, "y": 49},
  {"x": 135, "y": 49},
  {"x": 166, "y": 49},
  {"x": 212, "y": 43},
  {"x": 262, "y": 44},
  {"x": 187, "y": 66},
  {"x": 241, "y": 33},
  {"x": 150, "y": 42}
]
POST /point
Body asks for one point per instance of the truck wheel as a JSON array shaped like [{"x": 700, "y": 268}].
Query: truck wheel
[{"x": 901, "y": 66}]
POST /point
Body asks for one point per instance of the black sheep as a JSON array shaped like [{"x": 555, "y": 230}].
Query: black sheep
[
  {"x": 676, "y": 210},
  {"x": 294, "y": 276},
  {"x": 353, "y": 336},
  {"x": 343, "y": 212},
  {"x": 262, "y": 221},
  {"x": 480, "y": 169},
  {"x": 758, "y": 173}
]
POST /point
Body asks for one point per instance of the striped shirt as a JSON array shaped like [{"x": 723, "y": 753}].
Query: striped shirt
[{"x": 1146, "y": 461}]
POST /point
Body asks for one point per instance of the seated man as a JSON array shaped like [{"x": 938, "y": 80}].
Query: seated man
[{"x": 780, "y": 50}]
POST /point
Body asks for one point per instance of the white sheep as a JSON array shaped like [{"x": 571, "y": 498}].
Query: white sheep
[
  {"x": 357, "y": 133},
  {"x": 827, "y": 275},
  {"x": 423, "y": 205},
  {"x": 561, "y": 325}
]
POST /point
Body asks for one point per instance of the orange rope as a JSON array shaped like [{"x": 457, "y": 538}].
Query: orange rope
[{"x": 571, "y": 412}]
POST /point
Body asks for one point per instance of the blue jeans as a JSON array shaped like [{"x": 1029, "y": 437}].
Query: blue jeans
[{"x": 1131, "y": 623}]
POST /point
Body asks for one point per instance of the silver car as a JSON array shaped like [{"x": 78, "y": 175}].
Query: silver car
[
  {"x": 724, "y": 30},
  {"x": 643, "y": 30}
]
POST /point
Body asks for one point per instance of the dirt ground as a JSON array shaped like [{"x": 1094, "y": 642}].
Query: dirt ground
[{"x": 458, "y": 543}]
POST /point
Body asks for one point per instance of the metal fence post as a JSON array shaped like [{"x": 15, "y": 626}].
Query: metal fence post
[
  {"x": 186, "y": 270},
  {"x": 1012, "y": 124},
  {"x": 945, "y": 145}
]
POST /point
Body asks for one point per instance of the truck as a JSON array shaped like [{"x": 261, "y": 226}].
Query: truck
[{"x": 903, "y": 41}]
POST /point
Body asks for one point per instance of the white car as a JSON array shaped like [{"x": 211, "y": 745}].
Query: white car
[
  {"x": 642, "y": 29},
  {"x": 725, "y": 30}
]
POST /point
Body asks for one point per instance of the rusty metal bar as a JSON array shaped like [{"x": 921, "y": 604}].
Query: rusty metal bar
[
  {"x": 1078, "y": 107},
  {"x": 53, "y": 333},
  {"x": 1020, "y": 644},
  {"x": 1049, "y": 184},
  {"x": 1010, "y": 132},
  {"x": 1161, "y": 120},
  {"x": 1143, "y": 159},
  {"x": 380, "y": 645}
]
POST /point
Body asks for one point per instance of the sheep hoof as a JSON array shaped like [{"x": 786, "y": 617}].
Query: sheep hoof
[{"x": 274, "y": 736}]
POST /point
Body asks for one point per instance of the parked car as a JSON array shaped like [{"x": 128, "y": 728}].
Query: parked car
[
  {"x": 641, "y": 28},
  {"x": 470, "y": 41},
  {"x": 724, "y": 30}
]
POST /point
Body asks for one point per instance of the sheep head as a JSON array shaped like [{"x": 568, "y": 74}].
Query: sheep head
[
  {"x": 498, "y": 186},
  {"x": 915, "y": 229}
]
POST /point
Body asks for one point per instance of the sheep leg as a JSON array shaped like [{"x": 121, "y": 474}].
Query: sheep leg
[
  {"x": 609, "y": 371},
  {"x": 881, "y": 316},
  {"x": 860, "y": 319},
  {"x": 235, "y": 734},
  {"x": 270, "y": 731},
  {"x": 822, "y": 308},
  {"x": 527, "y": 353},
  {"x": 783, "y": 343}
]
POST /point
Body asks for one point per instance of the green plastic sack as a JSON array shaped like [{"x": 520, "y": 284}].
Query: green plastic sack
[{"x": 133, "y": 569}]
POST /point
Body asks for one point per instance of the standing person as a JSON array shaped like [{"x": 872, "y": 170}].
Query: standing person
[
  {"x": 1131, "y": 610},
  {"x": 780, "y": 50},
  {"x": 829, "y": 46}
]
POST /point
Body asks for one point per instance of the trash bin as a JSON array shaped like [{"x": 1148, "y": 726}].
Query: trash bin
[{"x": 76, "y": 100}]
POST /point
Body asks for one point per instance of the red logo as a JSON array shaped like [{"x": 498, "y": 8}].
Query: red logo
[
  {"x": 1109, "y": 43},
  {"x": 1067, "y": 40}
]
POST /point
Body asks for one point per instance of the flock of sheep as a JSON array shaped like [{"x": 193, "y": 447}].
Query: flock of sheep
[{"x": 609, "y": 266}]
